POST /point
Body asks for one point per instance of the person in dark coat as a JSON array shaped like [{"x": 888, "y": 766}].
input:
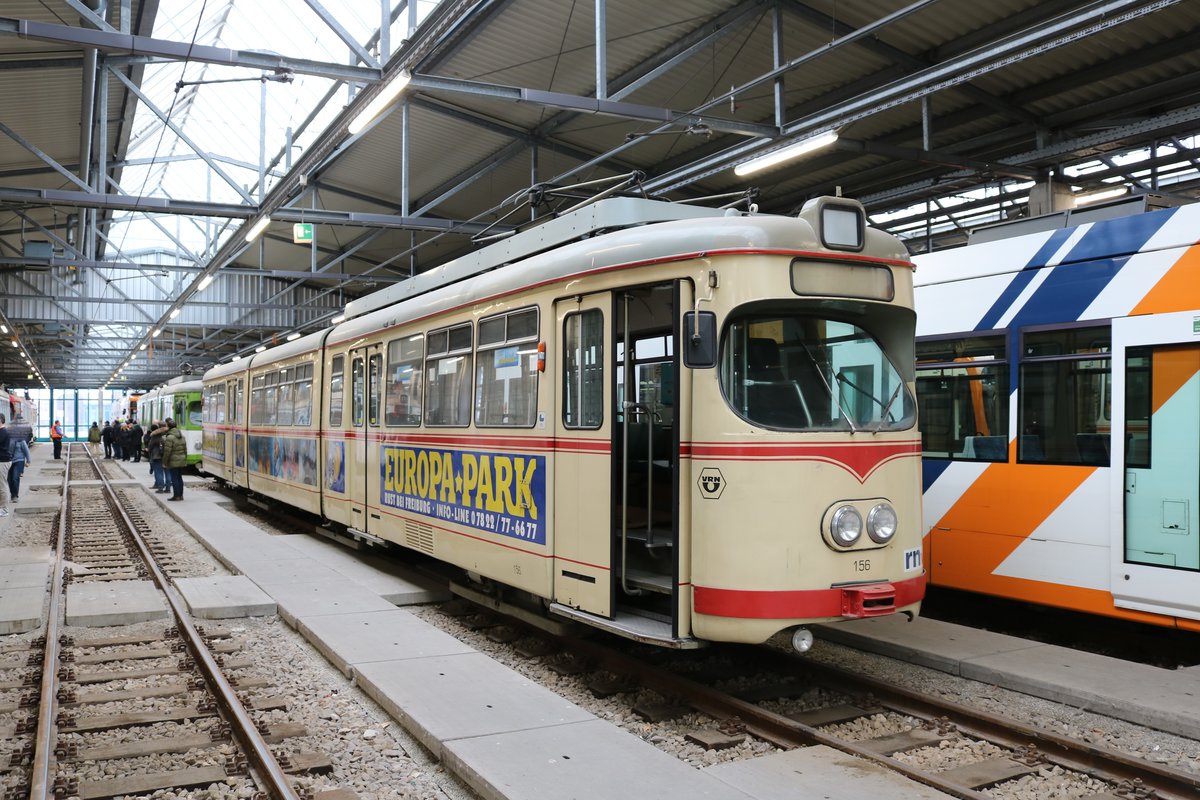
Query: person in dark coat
[
  {"x": 118, "y": 449},
  {"x": 106, "y": 436},
  {"x": 174, "y": 457},
  {"x": 135, "y": 441},
  {"x": 94, "y": 434},
  {"x": 154, "y": 453},
  {"x": 20, "y": 460}
]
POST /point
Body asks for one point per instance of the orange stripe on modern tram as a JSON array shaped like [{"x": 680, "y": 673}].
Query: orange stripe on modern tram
[
  {"x": 1008, "y": 501},
  {"x": 1173, "y": 367},
  {"x": 1178, "y": 290}
]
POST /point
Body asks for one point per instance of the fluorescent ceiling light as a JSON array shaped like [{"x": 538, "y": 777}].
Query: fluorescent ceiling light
[
  {"x": 143, "y": 347},
  {"x": 258, "y": 227},
  {"x": 157, "y": 331},
  {"x": 206, "y": 281},
  {"x": 237, "y": 358},
  {"x": 381, "y": 101},
  {"x": 1104, "y": 194},
  {"x": 776, "y": 157},
  {"x": 338, "y": 318},
  {"x": 14, "y": 342},
  {"x": 3, "y": 328},
  {"x": 174, "y": 313},
  {"x": 260, "y": 348},
  {"x": 291, "y": 337}
]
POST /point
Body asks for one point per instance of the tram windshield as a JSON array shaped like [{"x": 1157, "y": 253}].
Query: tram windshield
[{"x": 802, "y": 372}]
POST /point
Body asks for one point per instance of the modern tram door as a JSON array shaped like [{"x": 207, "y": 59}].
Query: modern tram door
[
  {"x": 362, "y": 451},
  {"x": 1156, "y": 459},
  {"x": 645, "y": 446}
]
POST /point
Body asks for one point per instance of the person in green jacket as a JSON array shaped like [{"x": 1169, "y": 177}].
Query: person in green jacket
[
  {"x": 94, "y": 434},
  {"x": 174, "y": 458}
]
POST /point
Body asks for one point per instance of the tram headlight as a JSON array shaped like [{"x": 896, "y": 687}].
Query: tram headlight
[
  {"x": 846, "y": 526},
  {"x": 881, "y": 523}
]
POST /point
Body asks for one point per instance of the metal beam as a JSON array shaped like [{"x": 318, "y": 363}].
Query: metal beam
[
  {"x": 343, "y": 34},
  {"x": 586, "y": 105},
  {"x": 50, "y": 162},
  {"x": 114, "y": 42}
]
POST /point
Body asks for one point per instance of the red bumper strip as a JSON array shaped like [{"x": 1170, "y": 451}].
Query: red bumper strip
[{"x": 867, "y": 600}]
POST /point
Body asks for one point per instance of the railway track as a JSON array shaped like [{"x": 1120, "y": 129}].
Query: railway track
[
  {"x": 756, "y": 692},
  {"x": 184, "y": 679}
]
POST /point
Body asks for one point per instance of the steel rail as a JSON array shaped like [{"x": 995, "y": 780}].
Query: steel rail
[
  {"x": 40, "y": 784},
  {"x": 259, "y": 753},
  {"x": 1098, "y": 761}
]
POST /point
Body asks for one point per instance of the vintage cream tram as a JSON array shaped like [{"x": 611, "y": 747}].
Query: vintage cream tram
[{"x": 675, "y": 423}]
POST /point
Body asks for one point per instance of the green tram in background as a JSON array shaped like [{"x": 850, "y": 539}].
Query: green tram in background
[{"x": 180, "y": 399}]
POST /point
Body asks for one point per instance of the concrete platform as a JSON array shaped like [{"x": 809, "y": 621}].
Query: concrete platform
[
  {"x": 370, "y": 570},
  {"x": 23, "y": 576},
  {"x": 25, "y": 555},
  {"x": 224, "y": 597},
  {"x": 36, "y": 503},
  {"x": 819, "y": 773},
  {"x": 1168, "y": 700},
  {"x": 351, "y": 641},
  {"x": 100, "y": 604},
  {"x": 21, "y": 609}
]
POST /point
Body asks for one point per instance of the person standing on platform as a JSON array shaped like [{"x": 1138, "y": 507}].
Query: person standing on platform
[
  {"x": 174, "y": 457},
  {"x": 5, "y": 463},
  {"x": 106, "y": 436},
  {"x": 118, "y": 450},
  {"x": 154, "y": 452},
  {"x": 94, "y": 434},
  {"x": 56, "y": 434},
  {"x": 135, "y": 441},
  {"x": 20, "y": 460}
]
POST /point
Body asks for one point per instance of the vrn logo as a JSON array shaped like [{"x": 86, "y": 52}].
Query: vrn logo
[
  {"x": 711, "y": 483},
  {"x": 912, "y": 559}
]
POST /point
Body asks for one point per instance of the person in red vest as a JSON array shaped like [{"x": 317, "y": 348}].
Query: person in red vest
[{"x": 56, "y": 437}]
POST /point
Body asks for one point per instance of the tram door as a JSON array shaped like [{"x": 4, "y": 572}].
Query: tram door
[
  {"x": 235, "y": 419},
  {"x": 582, "y": 467},
  {"x": 646, "y": 451},
  {"x": 1156, "y": 456},
  {"x": 362, "y": 451}
]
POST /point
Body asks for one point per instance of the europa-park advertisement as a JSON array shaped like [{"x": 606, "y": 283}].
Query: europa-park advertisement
[{"x": 494, "y": 492}]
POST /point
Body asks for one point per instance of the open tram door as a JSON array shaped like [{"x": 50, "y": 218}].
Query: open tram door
[
  {"x": 620, "y": 385},
  {"x": 1156, "y": 464}
]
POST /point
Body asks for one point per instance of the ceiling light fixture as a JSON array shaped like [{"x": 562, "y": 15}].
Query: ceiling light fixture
[
  {"x": 381, "y": 101},
  {"x": 293, "y": 336},
  {"x": 776, "y": 157},
  {"x": 258, "y": 227},
  {"x": 174, "y": 313},
  {"x": 205, "y": 282}
]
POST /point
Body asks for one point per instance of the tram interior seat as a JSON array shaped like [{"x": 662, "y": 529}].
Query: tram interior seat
[
  {"x": 772, "y": 399},
  {"x": 987, "y": 448},
  {"x": 1031, "y": 448}
]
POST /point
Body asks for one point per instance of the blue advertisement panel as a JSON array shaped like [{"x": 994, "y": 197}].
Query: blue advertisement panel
[
  {"x": 494, "y": 492},
  {"x": 284, "y": 457}
]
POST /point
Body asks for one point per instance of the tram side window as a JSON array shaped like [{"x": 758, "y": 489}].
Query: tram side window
[
  {"x": 271, "y": 399},
  {"x": 402, "y": 397},
  {"x": 283, "y": 416},
  {"x": 237, "y": 413},
  {"x": 962, "y": 391},
  {"x": 1138, "y": 407},
  {"x": 336, "y": 390},
  {"x": 258, "y": 389},
  {"x": 1065, "y": 396},
  {"x": 583, "y": 370},
  {"x": 506, "y": 382},
  {"x": 448, "y": 377},
  {"x": 302, "y": 395},
  {"x": 358, "y": 393},
  {"x": 375, "y": 364}
]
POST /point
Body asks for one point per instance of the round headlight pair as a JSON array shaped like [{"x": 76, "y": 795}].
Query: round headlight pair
[{"x": 846, "y": 526}]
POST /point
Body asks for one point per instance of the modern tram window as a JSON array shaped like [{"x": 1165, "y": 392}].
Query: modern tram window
[
  {"x": 1138, "y": 398},
  {"x": 962, "y": 391},
  {"x": 1065, "y": 396},
  {"x": 336, "y": 390},
  {"x": 506, "y": 381},
  {"x": 402, "y": 398},
  {"x": 806, "y": 372},
  {"x": 258, "y": 399},
  {"x": 375, "y": 368},
  {"x": 583, "y": 369},
  {"x": 448, "y": 377},
  {"x": 358, "y": 392},
  {"x": 302, "y": 395}
]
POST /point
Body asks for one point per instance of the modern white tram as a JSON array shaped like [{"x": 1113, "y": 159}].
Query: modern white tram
[{"x": 675, "y": 423}]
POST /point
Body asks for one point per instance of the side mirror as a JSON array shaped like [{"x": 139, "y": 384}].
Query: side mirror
[{"x": 699, "y": 340}]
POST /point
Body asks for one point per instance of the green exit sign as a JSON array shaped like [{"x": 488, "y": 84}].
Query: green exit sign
[{"x": 302, "y": 233}]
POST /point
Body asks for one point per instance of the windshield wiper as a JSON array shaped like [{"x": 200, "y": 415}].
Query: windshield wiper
[
  {"x": 837, "y": 400},
  {"x": 883, "y": 415}
]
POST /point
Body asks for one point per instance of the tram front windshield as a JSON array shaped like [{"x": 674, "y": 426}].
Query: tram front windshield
[{"x": 802, "y": 372}]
